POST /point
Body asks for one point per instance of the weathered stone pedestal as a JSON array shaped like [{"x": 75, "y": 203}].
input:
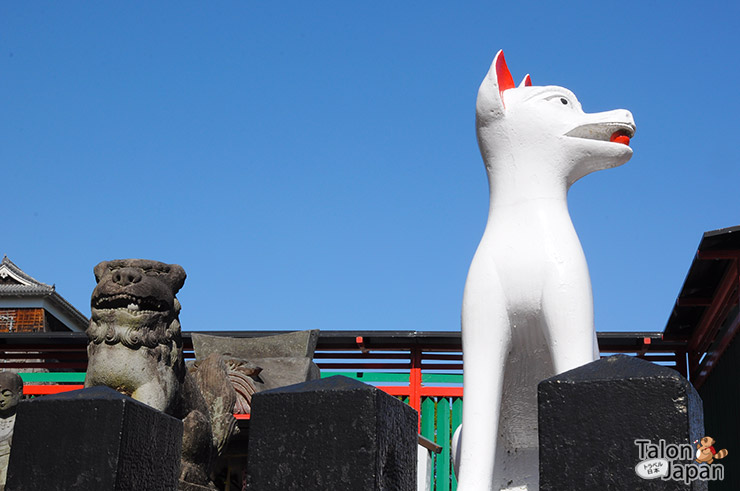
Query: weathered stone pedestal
[
  {"x": 93, "y": 439},
  {"x": 285, "y": 359},
  {"x": 336, "y": 433},
  {"x": 590, "y": 418}
]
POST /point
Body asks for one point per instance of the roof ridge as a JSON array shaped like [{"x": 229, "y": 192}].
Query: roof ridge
[{"x": 20, "y": 275}]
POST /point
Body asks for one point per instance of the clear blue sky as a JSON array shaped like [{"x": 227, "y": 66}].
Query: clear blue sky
[{"x": 315, "y": 165}]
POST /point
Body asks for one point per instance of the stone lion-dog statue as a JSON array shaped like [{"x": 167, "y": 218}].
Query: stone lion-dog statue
[{"x": 135, "y": 347}]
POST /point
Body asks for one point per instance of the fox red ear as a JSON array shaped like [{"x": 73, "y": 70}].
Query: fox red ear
[
  {"x": 490, "y": 103},
  {"x": 503, "y": 75},
  {"x": 526, "y": 81}
]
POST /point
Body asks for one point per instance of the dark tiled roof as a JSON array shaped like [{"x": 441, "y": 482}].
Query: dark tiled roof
[
  {"x": 14, "y": 282},
  {"x": 702, "y": 281},
  {"x": 14, "y": 278}
]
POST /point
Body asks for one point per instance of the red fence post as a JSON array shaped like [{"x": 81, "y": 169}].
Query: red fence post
[{"x": 415, "y": 381}]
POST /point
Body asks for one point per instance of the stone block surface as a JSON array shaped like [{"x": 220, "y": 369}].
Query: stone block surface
[
  {"x": 284, "y": 359},
  {"x": 590, "y": 417},
  {"x": 299, "y": 344},
  {"x": 93, "y": 439},
  {"x": 279, "y": 372},
  {"x": 335, "y": 433}
]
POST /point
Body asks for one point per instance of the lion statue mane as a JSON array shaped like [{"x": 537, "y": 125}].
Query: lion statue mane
[{"x": 135, "y": 347}]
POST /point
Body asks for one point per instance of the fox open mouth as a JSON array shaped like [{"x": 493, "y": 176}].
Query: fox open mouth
[
  {"x": 607, "y": 132},
  {"x": 131, "y": 303}
]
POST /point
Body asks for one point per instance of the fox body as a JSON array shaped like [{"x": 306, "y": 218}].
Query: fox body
[{"x": 527, "y": 309}]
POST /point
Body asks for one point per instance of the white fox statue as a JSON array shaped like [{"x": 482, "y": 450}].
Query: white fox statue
[{"x": 527, "y": 310}]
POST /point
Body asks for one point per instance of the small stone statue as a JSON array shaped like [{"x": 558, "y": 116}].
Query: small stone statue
[
  {"x": 135, "y": 347},
  {"x": 11, "y": 390}
]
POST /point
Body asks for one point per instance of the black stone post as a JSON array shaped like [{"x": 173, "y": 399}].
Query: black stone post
[
  {"x": 590, "y": 418},
  {"x": 93, "y": 440},
  {"x": 331, "y": 434}
]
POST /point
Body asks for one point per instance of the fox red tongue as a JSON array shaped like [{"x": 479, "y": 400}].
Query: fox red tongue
[{"x": 620, "y": 137}]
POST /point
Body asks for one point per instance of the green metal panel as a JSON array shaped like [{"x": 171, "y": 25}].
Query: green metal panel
[
  {"x": 427, "y": 378},
  {"x": 371, "y": 376},
  {"x": 443, "y": 440},
  {"x": 441, "y": 378},
  {"x": 457, "y": 405},
  {"x": 53, "y": 377},
  {"x": 427, "y": 418}
]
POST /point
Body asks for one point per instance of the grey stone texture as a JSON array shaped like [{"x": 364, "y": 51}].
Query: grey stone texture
[
  {"x": 279, "y": 372},
  {"x": 262, "y": 363},
  {"x": 11, "y": 391},
  {"x": 331, "y": 434},
  {"x": 590, "y": 417},
  {"x": 93, "y": 440},
  {"x": 135, "y": 347},
  {"x": 298, "y": 344}
]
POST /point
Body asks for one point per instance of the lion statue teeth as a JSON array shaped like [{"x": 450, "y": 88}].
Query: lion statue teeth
[{"x": 135, "y": 347}]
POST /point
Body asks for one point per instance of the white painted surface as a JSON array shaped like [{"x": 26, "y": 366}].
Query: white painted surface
[
  {"x": 423, "y": 469},
  {"x": 527, "y": 309}
]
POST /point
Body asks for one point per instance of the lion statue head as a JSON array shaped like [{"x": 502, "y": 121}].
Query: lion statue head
[{"x": 134, "y": 303}]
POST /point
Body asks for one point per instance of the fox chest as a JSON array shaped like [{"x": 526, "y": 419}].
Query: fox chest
[{"x": 524, "y": 259}]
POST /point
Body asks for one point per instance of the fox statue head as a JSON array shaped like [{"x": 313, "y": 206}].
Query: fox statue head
[{"x": 531, "y": 132}]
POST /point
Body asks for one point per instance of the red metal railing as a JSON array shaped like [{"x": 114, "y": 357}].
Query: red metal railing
[{"x": 414, "y": 356}]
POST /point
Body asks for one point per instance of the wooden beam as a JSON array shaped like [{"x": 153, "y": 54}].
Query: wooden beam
[
  {"x": 645, "y": 346},
  {"x": 701, "y": 341},
  {"x": 681, "y": 363},
  {"x": 709, "y": 361},
  {"x": 429, "y": 445},
  {"x": 719, "y": 254},
  {"x": 709, "y": 322},
  {"x": 693, "y": 302}
]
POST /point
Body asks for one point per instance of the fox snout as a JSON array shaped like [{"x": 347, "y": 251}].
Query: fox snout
[{"x": 606, "y": 126}]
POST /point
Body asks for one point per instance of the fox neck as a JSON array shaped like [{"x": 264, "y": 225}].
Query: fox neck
[{"x": 525, "y": 178}]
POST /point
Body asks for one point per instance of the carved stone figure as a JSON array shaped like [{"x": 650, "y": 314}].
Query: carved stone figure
[
  {"x": 11, "y": 391},
  {"x": 135, "y": 347},
  {"x": 244, "y": 377},
  {"x": 262, "y": 363},
  {"x": 527, "y": 309}
]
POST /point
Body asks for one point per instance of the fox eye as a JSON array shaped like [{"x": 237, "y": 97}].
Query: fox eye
[{"x": 564, "y": 100}]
